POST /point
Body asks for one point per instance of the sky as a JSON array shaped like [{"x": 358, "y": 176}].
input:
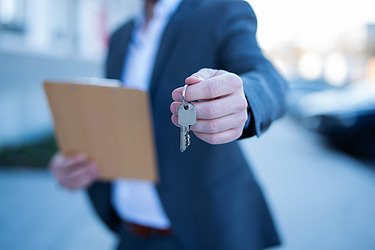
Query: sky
[{"x": 311, "y": 23}]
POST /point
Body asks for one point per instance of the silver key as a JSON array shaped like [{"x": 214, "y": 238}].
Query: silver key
[{"x": 187, "y": 116}]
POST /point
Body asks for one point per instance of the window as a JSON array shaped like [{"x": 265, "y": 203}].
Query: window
[{"x": 12, "y": 15}]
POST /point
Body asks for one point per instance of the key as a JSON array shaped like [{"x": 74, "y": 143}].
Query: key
[{"x": 187, "y": 116}]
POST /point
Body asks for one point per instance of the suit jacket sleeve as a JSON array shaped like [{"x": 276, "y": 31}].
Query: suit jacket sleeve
[
  {"x": 100, "y": 195},
  {"x": 239, "y": 53}
]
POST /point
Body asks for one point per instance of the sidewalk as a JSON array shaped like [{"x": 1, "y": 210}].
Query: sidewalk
[
  {"x": 36, "y": 214},
  {"x": 321, "y": 199}
]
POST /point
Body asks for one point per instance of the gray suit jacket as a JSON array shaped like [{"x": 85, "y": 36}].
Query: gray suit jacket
[{"x": 208, "y": 192}]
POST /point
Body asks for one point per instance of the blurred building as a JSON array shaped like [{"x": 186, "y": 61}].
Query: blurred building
[
  {"x": 44, "y": 39},
  {"x": 77, "y": 28},
  {"x": 370, "y": 48},
  {"x": 371, "y": 39}
]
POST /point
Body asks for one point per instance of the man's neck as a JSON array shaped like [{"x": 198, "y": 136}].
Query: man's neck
[{"x": 150, "y": 4}]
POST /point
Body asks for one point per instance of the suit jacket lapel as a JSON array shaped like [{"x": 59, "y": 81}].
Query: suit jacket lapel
[
  {"x": 116, "y": 57},
  {"x": 168, "y": 41}
]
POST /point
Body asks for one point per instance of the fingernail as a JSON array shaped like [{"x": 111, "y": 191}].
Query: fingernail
[
  {"x": 198, "y": 77},
  {"x": 194, "y": 76}
]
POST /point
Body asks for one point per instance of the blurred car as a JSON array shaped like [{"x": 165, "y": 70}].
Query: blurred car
[
  {"x": 345, "y": 116},
  {"x": 299, "y": 88}
]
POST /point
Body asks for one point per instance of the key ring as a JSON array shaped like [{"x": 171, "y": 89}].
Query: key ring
[{"x": 184, "y": 92}]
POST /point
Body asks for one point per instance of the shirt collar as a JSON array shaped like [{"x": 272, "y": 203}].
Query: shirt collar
[
  {"x": 162, "y": 9},
  {"x": 165, "y": 7}
]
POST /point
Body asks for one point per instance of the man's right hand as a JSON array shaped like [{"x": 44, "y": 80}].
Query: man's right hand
[{"x": 73, "y": 172}]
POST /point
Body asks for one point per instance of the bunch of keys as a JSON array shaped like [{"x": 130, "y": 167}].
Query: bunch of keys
[{"x": 187, "y": 116}]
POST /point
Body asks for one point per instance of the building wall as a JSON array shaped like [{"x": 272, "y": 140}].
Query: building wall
[
  {"x": 24, "y": 113},
  {"x": 47, "y": 39}
]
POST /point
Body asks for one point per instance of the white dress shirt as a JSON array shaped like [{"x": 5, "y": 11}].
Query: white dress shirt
[{"x": 134, "y": 200}]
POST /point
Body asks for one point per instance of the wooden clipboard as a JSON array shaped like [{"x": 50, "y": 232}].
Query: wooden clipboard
[{"x": 111, "y": 125}]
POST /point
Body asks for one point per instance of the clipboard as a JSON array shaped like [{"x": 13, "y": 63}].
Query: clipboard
[{"x": 111, "y": 125}]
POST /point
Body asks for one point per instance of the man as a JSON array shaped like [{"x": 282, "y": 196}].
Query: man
[{"x": 207, "y": 197}]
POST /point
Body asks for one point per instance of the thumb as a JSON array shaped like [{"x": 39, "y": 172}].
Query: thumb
[{"x": 201, "y": 75}]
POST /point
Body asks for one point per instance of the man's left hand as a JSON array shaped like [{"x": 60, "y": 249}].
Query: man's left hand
[{"x": 220, "y": 102}]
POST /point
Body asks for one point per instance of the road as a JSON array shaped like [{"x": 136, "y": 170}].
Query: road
[{"x": 320, "y": 198}]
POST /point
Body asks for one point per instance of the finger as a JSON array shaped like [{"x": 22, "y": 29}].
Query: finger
[
  {"x": 203, "y": 74},
  {"x": 177, "y": 94},
  {"x": 83, "y": 182},
  {"x": 220, "y": 138},
  {"x": 68, "y": 164},
  {"x": 220, "y": 124},
  {"x": 174, "y": 119},
  {"x": 56, "y": 159},
  {"x": 174, "y": 107},
  {"x": 80, "y": 178},
  {"x": 193, "y": 80},
  {"x": 59, "y": 160},
  {"x": 197, "y": 77},
  {"x": 214, "y": 109},
  {"x": 218, "y": 86},
  {"x": 207, "y": 110},
  {"x": 219, "y": 107}
]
